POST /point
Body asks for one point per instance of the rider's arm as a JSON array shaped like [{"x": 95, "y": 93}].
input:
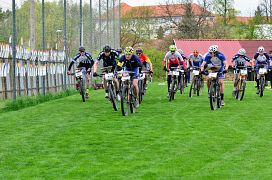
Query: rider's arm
[
  {"x": 73, "y": 61},
  {"x": 91, "y": 61},
  {"x": 99, "y": 57}
]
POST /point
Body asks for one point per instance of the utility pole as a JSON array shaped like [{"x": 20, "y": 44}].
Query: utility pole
[
  {"x": 65, "y": 42},
  {"x": 91, "y": 25},
  {"x": 80, "y": 25},
  {"x": 14, "y": 48},
  {"x": 100, "y": 25},
  {"x": 32, "y": 25},
  {"x": 43, "y": 47}
]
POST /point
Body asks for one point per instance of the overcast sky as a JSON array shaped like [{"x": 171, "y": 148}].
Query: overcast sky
[{"x": 246, "y": 7}]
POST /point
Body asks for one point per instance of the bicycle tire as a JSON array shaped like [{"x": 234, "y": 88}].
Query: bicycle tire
[
  {"x": 172, "y": 89},
  {"x": 82, "y": 90},
  {"x": 131, "y": 101},
  {"x": 181, "y": 84},
  {"x": 261, "y": 86},
  {"x": 192, "y": 88},
  {"x": 238, "y": 89},
  {"x": 124, "y": 100},
  {"x": 213, "y": 96},
  {"x": 243, "y": 85},
  {"x": 140, "y": 86},
  {"x": 219, "y": 100},
  {"x": 112, "y": 97}
]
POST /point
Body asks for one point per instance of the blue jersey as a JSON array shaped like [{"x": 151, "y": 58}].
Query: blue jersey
[
  {"x": 196, "y": 60},
  {"x": 218, "y": 60},
  {"x": 261, "y": 59},
  {"x": 132, "y": 63}
]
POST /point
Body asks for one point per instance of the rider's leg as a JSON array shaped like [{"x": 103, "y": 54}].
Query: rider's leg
[
  {"x": 136, "y": 88},
  {"x": 105, "y": 86},
  {"x": 222, "y": 88},
  {"x": 168, "y": 82},
  {"x": 116, "y": 85}
]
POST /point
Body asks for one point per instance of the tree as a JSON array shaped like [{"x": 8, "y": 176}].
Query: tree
[
  {"x": 160, "y": 33},
  {"x": 223, "y": 8},
  {"x": 266, "y": 7},
  {"x": 136, "y": 26}
]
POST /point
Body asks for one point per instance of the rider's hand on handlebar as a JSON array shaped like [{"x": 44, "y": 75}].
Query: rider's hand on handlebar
[
  {"x": 164, "y": 68},
  {"x": 68, "y": 72},
  {"x": 225, "y": 71}
]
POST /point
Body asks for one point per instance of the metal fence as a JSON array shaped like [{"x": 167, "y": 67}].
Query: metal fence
[
  {"x": 36, "y": 72},
  {"x": 61, "y": 25}
]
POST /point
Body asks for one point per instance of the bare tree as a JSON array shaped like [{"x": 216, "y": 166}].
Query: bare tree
[
  {"x": 223, "y": 8},
  {"x": 266, "y": 6},
  {"x": 32, "y": 25}
]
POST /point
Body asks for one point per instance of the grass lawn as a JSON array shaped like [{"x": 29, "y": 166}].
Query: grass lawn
[{"x": 69, "y": 139}]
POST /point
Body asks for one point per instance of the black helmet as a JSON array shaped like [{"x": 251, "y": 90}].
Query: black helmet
[
  {"x": 81, "y": 49},
  {"x": 139, "y": 50},
  {"x": 107, "y": 48},
  {"x": 119, "y": 50}
]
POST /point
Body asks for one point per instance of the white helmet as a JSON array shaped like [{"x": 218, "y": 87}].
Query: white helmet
[
  {"x": 260, "y": 49},
  {"x": 242, "y": 52},
  {"x": 180, "y": 51},
  {"x": 213, "y": 48}
]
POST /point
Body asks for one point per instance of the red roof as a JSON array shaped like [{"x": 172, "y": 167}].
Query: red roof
[
  {"x": 228, "y": 47},
  {"x": 160, "y": 10},
  {"x": 243, "y": 19}
]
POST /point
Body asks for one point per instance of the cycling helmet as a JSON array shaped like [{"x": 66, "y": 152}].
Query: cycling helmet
[
  {"x": 180, "y": 51},
  {"x": 260, "y": 49},
  {"x": 242, "y": 52},
  {"x": 172, "y": 48},
  {"x": 129, "y": 50},
  {"x": 195, "y": 52},
  {"x": 107, "y": 48},
  {"x": 81, "y": 49},
  {"x": 119, "y": 50},
  {"x": 213, "y": 48},
  {"x": 139, "y": 51}
]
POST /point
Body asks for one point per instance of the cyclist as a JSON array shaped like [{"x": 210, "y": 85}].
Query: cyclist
[
  {"x": 172, "y": 59},
  {"x": 147, "y": 65},
  {"x": 187, "y": 71},
  {"x": 109, "y": 57},
  {"x": 239, "y": 62},
  {"x": 270, "y": 68},
  {"x": 85, "y": 60},
  {"x": 131, "y": 62},
  {"x": 216, "y": 59},
  {"x": 195, "y": 59},
  {"x": 119, "y": 51},
  {"x": 261, "y": 58}
]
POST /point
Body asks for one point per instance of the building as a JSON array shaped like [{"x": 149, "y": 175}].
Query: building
[{"x": 159, "y": 15}]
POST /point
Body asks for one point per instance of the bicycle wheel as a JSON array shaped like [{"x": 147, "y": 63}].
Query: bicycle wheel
[
  {"x": 112, "y": 97},
  {"x": 213, "y": 96},
  {"x": 200, "y": 84},
  {"x": 82, "y": 90},
  {"x": 238, "y": 89},
  {"x": 173, "y": 86},
  {"x": 181, "y": 84},
  {"x": 131, "y": 101},
  {"x": 192, "y": 88},
  {"x": 243, "y": 89},
  {"x": 261, "y": 86},
  {"x": 124, "y": 100}
]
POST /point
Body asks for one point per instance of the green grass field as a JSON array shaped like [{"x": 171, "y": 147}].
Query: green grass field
[{"x": 69, "y": 139}]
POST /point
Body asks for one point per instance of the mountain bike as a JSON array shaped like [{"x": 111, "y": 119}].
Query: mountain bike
[
  {"x": 197, "y": 84},
  {"x": 240, "y": 82},
  {"x": 175, "y": 72},
  {"x": 262, "y": 73},
  {"x": 214, "y": 88},
  {"x": 81, "y": 77},
  {"x": 181, "y": 84},
  {"x": 109, "y": 77},
  {"x": 127, "y": 94}
]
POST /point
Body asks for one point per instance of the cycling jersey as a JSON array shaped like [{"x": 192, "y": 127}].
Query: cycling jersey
[
  {"x": 240, "y": 60},
  {"x": 144, "y": 59},
  {"x": 131, "y": 64},
  {"x": 108, "y": 60},
  {"x": 85, "y": 60},
  {"x": 217, "y": 61},
  {"x": 173, "y": 60},
  {"x": 196, "y": 60},
  {"x": 261, "y": 59}
]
